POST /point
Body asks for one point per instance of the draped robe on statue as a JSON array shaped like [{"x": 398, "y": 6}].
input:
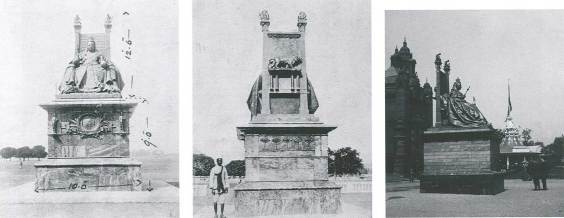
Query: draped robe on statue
[
  {"x": 460, "y": 112},
  {"x": 91, "y": 72}
]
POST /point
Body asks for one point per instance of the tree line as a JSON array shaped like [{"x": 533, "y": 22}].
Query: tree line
[
  {"x": 24, "y": 152},
  {"x": 343, "y": 161}
]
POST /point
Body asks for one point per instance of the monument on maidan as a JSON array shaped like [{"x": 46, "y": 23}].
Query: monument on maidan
[
  {"x": 285, "y": 143},
  {"x": 459, "y": 156},
  {"x": 88, "y": 124}
]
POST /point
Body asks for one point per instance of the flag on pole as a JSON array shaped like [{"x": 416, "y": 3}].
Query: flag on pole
[{"x": 509, "y": 107}]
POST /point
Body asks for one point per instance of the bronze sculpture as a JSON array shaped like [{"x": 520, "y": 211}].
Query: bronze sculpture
[
  {"x": 460, "y": 112},
  {"x": 91, "y": 71}
]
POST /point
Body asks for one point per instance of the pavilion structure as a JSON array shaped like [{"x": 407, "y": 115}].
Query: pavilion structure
[{"x": 511, "y": 149}]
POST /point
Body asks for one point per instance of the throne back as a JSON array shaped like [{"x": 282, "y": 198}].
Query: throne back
[{"x": 102, "y": 39}]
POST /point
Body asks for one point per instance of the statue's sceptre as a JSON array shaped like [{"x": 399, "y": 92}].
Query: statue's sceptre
[{"x": 466, "y": 91}]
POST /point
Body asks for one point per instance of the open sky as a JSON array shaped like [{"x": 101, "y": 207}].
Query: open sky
[
  {"x": 227, "y": 52},
  {"x": 37, "y": 43},
  {"x": 486, "y": 49}
]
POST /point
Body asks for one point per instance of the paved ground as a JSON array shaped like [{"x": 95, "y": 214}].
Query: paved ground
[
  {"x": 22, "y": 201},
  {"x": 404, "y": 200},
  {"x": 17, "y": 198}
]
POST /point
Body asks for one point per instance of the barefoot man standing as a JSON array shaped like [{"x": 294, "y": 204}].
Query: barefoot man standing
[{"x": 218, "y": 186}]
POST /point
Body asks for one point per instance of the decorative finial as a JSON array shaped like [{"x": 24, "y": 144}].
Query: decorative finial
[
  {"x": 77, "y": 20},
  {"x": 396, "y": 49},
  {"x": 264, "y": 20},
  {"x": 446, "y": 68},
  {"x": 108, "y": 19},
  {"x": 108, "y": 23},
  {"x": 438, "y": 61},
  {"x": 302, "y": 21},
  {"x": 404, "y": 42}
]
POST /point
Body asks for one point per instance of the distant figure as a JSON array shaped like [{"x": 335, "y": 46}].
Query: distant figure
[
  {"x": 21, "y": 164},
  {"x": 543, "y": 172},
  {"x": 411, "y": 175},
  {"x": 534, "y": 170},
  {"x": 218, "y": 185},
  {"x": 526, "y": 175}
]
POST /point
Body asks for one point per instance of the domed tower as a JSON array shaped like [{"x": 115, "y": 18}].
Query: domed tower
[
  {"x": 408, "y": 113},
  {"x": 403, "y": 59}
]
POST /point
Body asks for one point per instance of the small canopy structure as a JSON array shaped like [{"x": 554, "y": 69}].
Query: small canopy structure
[{"x": 511, "y": 145}]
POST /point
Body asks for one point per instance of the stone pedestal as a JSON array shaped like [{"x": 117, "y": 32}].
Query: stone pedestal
[
  {"x": 286, "y": 170},
  {"x": 285, "y": 144},
  {"x": 460, "y": 160},
  {"x": 88, "y": 145}
]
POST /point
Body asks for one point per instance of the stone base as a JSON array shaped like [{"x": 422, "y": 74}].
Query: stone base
[
  {"x": 92, "y": 174},
  {"x": 285, "y": 118},
  {"x": 287, "y": 198},
  {"x": 460, "y": 161},
  {"x": 96, "y": 95},
  {"x": 478, "y": 184}
]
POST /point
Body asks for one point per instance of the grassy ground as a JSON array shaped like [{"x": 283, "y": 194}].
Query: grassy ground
[{"x": 11, "y": 175}]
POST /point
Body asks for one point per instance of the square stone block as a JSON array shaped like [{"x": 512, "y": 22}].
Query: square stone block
[
  {"x": 287, "y": 198},
  {"x": 460, "y": 160},
  {"x": 92, "y": 174}
]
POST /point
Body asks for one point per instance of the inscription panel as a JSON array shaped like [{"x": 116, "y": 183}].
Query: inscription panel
[
  {"x": 72, "y": 146},
  {"x": 272, "y": 143}
]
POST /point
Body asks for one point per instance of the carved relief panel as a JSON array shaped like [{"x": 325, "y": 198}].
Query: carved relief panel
[
  {"x": 277, "y": 143},
  {"x": 88, "y": 123},
  {"x": 88, "y": 132}
]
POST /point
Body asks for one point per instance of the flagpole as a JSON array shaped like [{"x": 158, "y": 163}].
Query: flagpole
[{"x": 509, "y": 107}]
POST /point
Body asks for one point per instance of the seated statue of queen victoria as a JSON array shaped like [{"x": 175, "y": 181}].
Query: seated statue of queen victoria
[
  {"x": 91, "y": 72},
  {"x": 460, "y": 112}
]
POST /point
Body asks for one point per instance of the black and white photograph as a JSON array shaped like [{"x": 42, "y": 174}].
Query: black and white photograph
[
  {"x": 89, "y": 109},
  {"x": 473, "y": 124},
  {"x": 282, "y": 109},
  {"x": 261, "y": 108}
]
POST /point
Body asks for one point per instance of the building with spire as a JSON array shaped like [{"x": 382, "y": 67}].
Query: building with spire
[
  {"x": 409, "y": 111},
  {"x": 511, "y": 148}
]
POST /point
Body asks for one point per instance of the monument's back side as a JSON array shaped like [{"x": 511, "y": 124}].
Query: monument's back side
[{"x": 285, "y": 143}]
